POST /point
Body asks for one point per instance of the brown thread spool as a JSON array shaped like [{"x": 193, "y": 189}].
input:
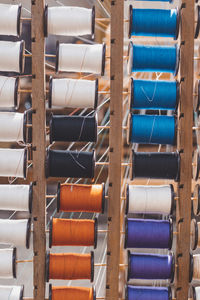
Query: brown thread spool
[{"x": 71, "y": 232}]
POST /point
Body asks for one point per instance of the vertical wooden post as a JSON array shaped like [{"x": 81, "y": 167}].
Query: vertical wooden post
[
  {"x": 183, "y": 209},
  {"x": 115, "y": 144},
  {"x": 39, "y": 145}
]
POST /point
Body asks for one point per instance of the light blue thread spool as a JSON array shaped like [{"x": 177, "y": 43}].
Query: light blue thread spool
[
  {"x": 148, "y": 58},
  {"x": 154, "y": 94},
  {"x": 154, "y": 22},
  {"x": 152, "y": 129}
]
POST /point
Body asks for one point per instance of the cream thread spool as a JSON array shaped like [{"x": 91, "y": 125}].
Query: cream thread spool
[
  {"x": 69, "y": 21},
  {"x": 13, "y": 127},
  {"x": 11, "y": 54},
  {"x": 8, "y": 263},
  {"x": 150, "y": 199},
  {"x": 10, "y": 19},
  {"x": 196, "y": 267},
  {"x": 11, "y": 292},
  {"x": 73, "y": 93},
  {"x": 8, "y": 92},
  {"x": 15, "y": 232},
  {"x": 13, "y": 162},
  {"x": 81, "y": 58},
  {"x": 16, "y": 197}
]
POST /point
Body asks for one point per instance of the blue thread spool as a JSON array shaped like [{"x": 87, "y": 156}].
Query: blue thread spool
[
  {"x": 154, "y": 22},
  {"x": 147, "y": 293},
  {"x": 152, "y": 129},
  {"x": 154, "y": 94},
  {"x": 142, "y": 233},
  {"x": 148, "y": 58},
  {"x": 150, "y": 266}
]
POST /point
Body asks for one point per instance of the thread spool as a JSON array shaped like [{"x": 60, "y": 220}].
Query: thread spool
[
  {"x": 13, "y": 127},
  {"x": 81, "y": 58},
  {"x": 195, "y": 240},
  {"x": 154, "y": 22},
  {"x": 152, "y": 129},
  {"x": 73, "y": 93},
  {"x": 8, "y": 263},
  {"x": 16, "y": 197},
  {"x": 81, "y": 198},
  {"x": 72, "y": 232},
  {"x": 194, "y": 267},
  {"x": 195, "y": 292},
  {"x": 170, "y": 1},
  {"x": 69, "y": 266},
  {"x": 196, "y": 201},
  {"x": 148, "y": 58},
  {"x": 197, "y": 29},
  {"x": 15, "y": 232},
  {"x": 150, "y": 266},
  {"x": 196, "y": 164},
  {"x": 12, "y": 59},
  {"x": 11, "y": 292},
  {"x": 154, "y": 95},
  {"x": 8, "y": 92},
  {"x": 73, "y": 164},
  {"x": 73, "y": 128},
  {"x": 196, "y": 98},
  {"x": 140, "y": 233},
  {"x": 69, "y": 21},
  {"x": 147, "y": 293},
  {"x": 13, "y": 162},
  {"x": 156, "y": 165},
  {"x": 10, "y": 19},
  {"x": 147, "y": 199},
  {"x": 71, "y": 292}
]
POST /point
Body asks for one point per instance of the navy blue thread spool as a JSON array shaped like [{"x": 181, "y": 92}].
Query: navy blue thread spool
[
  {"x": 156, "y": 165},
  {"x": 73, "y": 128},
  {"x": 147, "y": 293},
  {"x": 148, "y": 58},
  {"x": 144, "y": 233},
  {"x": 73, "y": 164},
  {"x": 154, "y": 22},
  {"x": 151, "y": 94},
  {"x": 150, "y": 266},
  {"x": 152, "y": 129}
]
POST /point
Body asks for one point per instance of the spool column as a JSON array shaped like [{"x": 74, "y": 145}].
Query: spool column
[
  {"x": 39, "y": 145},
  {"x": 185, "y": 145},
  {"x": 115, "y": 144}
]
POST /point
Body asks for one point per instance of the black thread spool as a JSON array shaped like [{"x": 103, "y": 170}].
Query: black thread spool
[
  {"x": 73, "y": 164},
  {"x": 73, "y": 128},
  {"x": 156, "y": 165}
]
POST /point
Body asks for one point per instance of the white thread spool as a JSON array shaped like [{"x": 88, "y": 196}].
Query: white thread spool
[
  {"x": 196, "y": 292},
  {"x": 8, "y": 263},
  {"x": 12, "y": 59},
  {"x": 13, "y": 162},
  {"x": 11, "y": 292},
  {"x": 73, "y": 93},
  {"x": 15, "y": 232},
  {"x": 81, "y": 58},
  {"x": 10, "y": 19},
  {"x": 196, "y": 267},
  {"x": 69, "y": 21},
  {"x": 148, "y": 199},
  {"x": 16, "y": 197},
  {"x": 8, "y": 92},
  {"x": 13, "y": 127}
]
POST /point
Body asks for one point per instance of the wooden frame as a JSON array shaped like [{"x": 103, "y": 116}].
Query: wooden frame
[
  {"x": 185, "y": 146},
  {"x": 39, "y": 147},
  {"x": 115, "y": 144}
]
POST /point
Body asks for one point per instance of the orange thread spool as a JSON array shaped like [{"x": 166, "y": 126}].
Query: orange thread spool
[
  {"x": 81, "y": 197},
  {"x": 69, "y": 266},
  {"x": 71, "y": 232},
  {"x": 75, "y": 293}
]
